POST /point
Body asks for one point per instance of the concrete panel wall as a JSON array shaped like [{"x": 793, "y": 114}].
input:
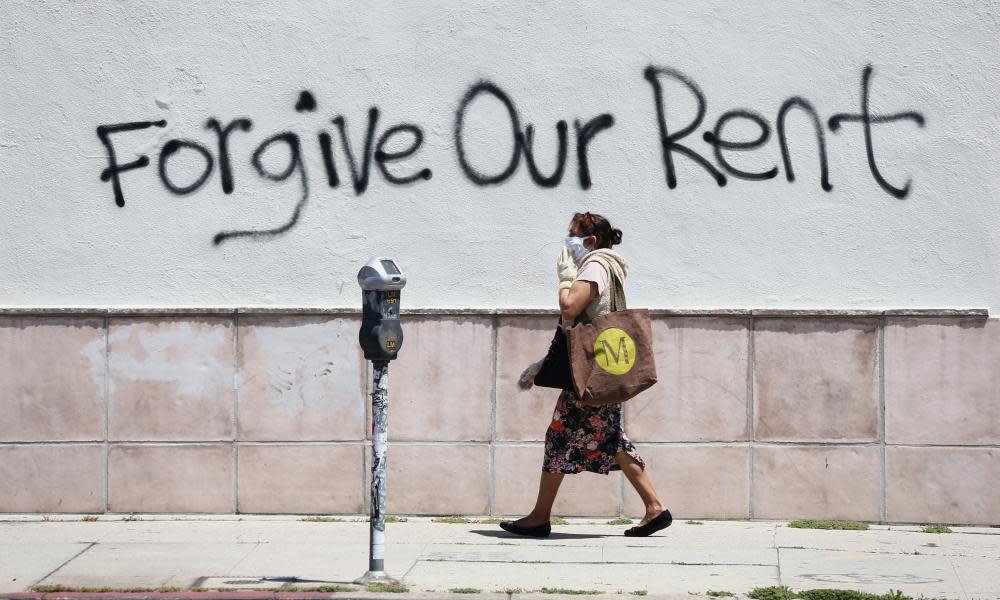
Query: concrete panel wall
[{"x": 878, "y": 416}]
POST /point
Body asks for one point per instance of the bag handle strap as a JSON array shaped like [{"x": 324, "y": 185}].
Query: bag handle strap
[{"x": 618, "y": 295}]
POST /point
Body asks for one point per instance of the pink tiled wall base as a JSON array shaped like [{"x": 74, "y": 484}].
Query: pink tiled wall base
[{"x": 875, "y": 417}]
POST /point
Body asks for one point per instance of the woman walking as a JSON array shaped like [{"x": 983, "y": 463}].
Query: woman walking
[{"x": 581, "y": 437}]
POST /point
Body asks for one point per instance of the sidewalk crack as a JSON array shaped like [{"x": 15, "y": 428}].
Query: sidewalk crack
[
  {"x": 965, "y": 594},
  {"x": 414, "y": 565},
  {"x": 777, "y": 553},
  {"x": 232, "y": 568},
  {"x": 66, "y": 562},
  {"x": 592, "y": 562}
]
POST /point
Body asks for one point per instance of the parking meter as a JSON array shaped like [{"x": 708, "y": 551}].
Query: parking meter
[{"x": 380, "y": 335}]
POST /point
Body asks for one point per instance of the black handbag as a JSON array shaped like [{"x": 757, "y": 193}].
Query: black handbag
[{"x": 555, "y": 371}]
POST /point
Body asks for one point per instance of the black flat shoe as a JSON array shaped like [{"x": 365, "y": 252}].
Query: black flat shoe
[
  {"x": 660, "y": 521},
  {"x": 536, "y": 531}
]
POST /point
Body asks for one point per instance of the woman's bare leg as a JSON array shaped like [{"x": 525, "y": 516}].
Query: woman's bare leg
[
  {"x": 642, "y": 484},
  {"x": 548, "y": 487}
]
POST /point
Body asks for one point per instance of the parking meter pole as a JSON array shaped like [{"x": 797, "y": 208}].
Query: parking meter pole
[
  {"x": 380, "y": 337},
  {"x": 380, "y": 399},
  {"x": 376, "y": 547}
]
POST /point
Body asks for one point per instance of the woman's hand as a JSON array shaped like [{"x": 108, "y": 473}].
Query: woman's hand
[
  {"x": 566, "y": 269},
  {"x": 527, "y": 378}
]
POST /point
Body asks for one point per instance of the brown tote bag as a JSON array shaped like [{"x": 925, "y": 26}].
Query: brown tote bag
[{"x": 611, "y": 357}]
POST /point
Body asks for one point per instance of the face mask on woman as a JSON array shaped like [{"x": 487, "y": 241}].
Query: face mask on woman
[{"x": 576, "y": 248}]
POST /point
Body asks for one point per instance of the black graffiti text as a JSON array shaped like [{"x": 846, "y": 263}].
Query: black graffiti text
[
  {"x": 671, "y": 143},
  {"x": 350, "y": 151},
  {"x": 523, "y": 143},
  {"x": 380, "y": 147}
]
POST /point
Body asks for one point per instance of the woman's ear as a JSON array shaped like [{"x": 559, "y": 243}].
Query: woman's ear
[{"x": 593, "y": 242}]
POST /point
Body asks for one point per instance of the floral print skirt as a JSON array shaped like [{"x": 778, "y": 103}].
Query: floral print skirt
[{"x": 585, "y": 438}]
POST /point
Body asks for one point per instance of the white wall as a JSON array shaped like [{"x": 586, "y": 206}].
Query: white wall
[{"x": 67, "y": 68}]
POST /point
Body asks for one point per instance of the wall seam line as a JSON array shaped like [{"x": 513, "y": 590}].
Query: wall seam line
[
  {"x": 621, "y": 478},
  {"x": 237, "y": 380},
  {"x": 883, "y": 508},
  {"x": 107, "y": 415},
  {"x": 271, "y": 310},
  {"x": 750, "y": 417},
  {"x": 494, "y": 344},
  {"x": 361, "y": 498},
  {"x": 367, "y": 442},
  {"x": 365, "y": 427},
  {"x": 621, "y": 493},
  {"x": 514, "y": 443}
]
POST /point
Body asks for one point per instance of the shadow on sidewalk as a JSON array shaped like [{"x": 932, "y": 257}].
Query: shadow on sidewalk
[{"x": 553, "y": 536}]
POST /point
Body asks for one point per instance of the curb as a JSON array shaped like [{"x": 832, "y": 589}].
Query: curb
[
  {"x": 357, "y": 595},
  {"x": 216, "y": 595}
]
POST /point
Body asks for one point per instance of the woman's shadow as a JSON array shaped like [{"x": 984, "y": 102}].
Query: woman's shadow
[{"x": 553, "y": 536}]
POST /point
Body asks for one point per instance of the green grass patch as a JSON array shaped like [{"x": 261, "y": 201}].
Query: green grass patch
[
  {"x": 488, "y": 521},
  {"x": 533, "y": 562},
  {"x": 558, "y": 521},
  {"x": 693, "y": 522},
  {"x": 827, "y": 524},
  {"x": 452, "y": 520},
  {"x": 850, "y": 595},
  {"x": 785, "y": 593},
  {"x": 322, "y": 519},
  {"x": 465, "y": 590},
  {"x": 638, "y": 593},
  {"x": 772, "y": 592},
  {"x": 719, "y": 594},
  {"x": 569, "y": 592},
  {"x": 329, "y": 589},
  {"x": 620, "y": 522},
  {"x": 332, "y": 588},
  {"x": 937, "y": 529},
  {"x": 510, "y": 591},
  {"x": 392, "y": 588},
  {"x": 395, "y": 519}
]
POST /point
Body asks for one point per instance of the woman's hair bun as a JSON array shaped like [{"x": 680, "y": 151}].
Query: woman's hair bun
[{"x": 589, "y": 223}]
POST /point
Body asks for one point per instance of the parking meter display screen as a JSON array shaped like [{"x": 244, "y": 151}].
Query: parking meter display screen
[{"x": 390, "y": 267}]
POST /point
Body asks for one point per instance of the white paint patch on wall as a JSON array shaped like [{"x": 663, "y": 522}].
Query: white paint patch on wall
[
  {"x": 187, "y": 357},
  {"x": 305, "y": 367},
  {"x": 70, "y": 67}
]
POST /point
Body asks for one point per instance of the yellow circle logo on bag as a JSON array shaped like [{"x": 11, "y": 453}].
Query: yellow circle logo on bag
[{"x": 614, "y": 351}]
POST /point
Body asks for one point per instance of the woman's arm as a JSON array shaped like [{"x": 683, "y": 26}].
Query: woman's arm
[{"x": 574, "y": 299}]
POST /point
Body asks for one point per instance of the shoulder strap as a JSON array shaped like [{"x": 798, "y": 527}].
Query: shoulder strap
[{"x": 617, "y": 293}]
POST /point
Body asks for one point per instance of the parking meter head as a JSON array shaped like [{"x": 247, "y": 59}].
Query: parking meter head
[
  {"x": 381, "y": 335},
  {"x": 381, "y": 273}
]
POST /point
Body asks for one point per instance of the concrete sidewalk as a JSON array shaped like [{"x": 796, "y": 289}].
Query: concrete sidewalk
[{"x": 271, "y": 553}]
